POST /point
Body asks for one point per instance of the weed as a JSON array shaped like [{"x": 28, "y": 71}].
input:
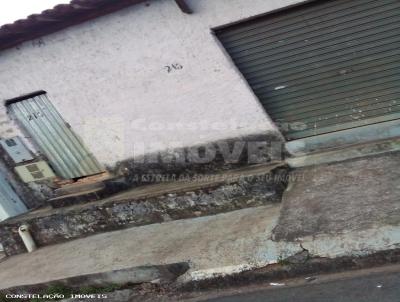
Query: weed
[{"x": 282, "y": 261}]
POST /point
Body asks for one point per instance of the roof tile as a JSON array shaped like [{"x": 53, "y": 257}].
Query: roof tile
[{"x": 57, "y": 18}]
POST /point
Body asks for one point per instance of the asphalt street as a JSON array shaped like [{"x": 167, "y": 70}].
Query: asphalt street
[{"x": 377, "y": 287}]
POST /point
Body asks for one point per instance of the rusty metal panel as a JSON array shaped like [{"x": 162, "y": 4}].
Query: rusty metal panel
[
  {"x": 66, "y": 152},
  {"x": 323, "y": 66}
]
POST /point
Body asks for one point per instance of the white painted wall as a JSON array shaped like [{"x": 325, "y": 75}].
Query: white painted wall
[{"x": 107, "y": 77}]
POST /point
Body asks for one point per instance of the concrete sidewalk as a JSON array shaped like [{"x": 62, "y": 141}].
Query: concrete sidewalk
[
  {"x": 213, "y": 246},
  {"x": 222, "y": 241},
  {"x": 335, "y": 210}
]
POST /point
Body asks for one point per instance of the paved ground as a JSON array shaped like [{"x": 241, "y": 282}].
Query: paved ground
[
  {"x": 214, "y": 242},
  {"x": 343, "y": 209},
  {"x": 337, "y": 198},
  {"x": 365, "y": 286}
]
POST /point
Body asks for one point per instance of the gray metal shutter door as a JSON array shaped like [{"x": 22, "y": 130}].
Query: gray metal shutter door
[
  {"x": 65, "y": 151},
  {"x": 323, "y": 66}
]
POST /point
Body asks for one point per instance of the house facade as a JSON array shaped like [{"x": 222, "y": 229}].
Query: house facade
[{"x": 138, "y": 78}]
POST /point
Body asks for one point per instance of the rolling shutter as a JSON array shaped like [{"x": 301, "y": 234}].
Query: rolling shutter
[{"x": 323, "y": 66}]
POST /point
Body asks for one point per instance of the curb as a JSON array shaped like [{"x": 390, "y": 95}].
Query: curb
[
  {"x": 286, "y": 270},
  {"x": 159, "y": 274}
]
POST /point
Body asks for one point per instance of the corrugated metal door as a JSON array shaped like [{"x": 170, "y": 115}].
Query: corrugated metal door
[
  {"x": 323, "y": 66},
  {"x": 67, "y": 154},
  {"x": 10, "y": 204}
]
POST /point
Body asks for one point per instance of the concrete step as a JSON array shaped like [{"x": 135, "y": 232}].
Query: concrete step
[
  {"x": 94, "y": 192},
  {"x": 344, "y": 138},
  {"x": 204, "y": 195},
  {"x": 78, "y": 188},
  {"x": 86, "y": 190},
  {"x": 349, "y": 152},
  {"x": 160, "y": 274}
]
